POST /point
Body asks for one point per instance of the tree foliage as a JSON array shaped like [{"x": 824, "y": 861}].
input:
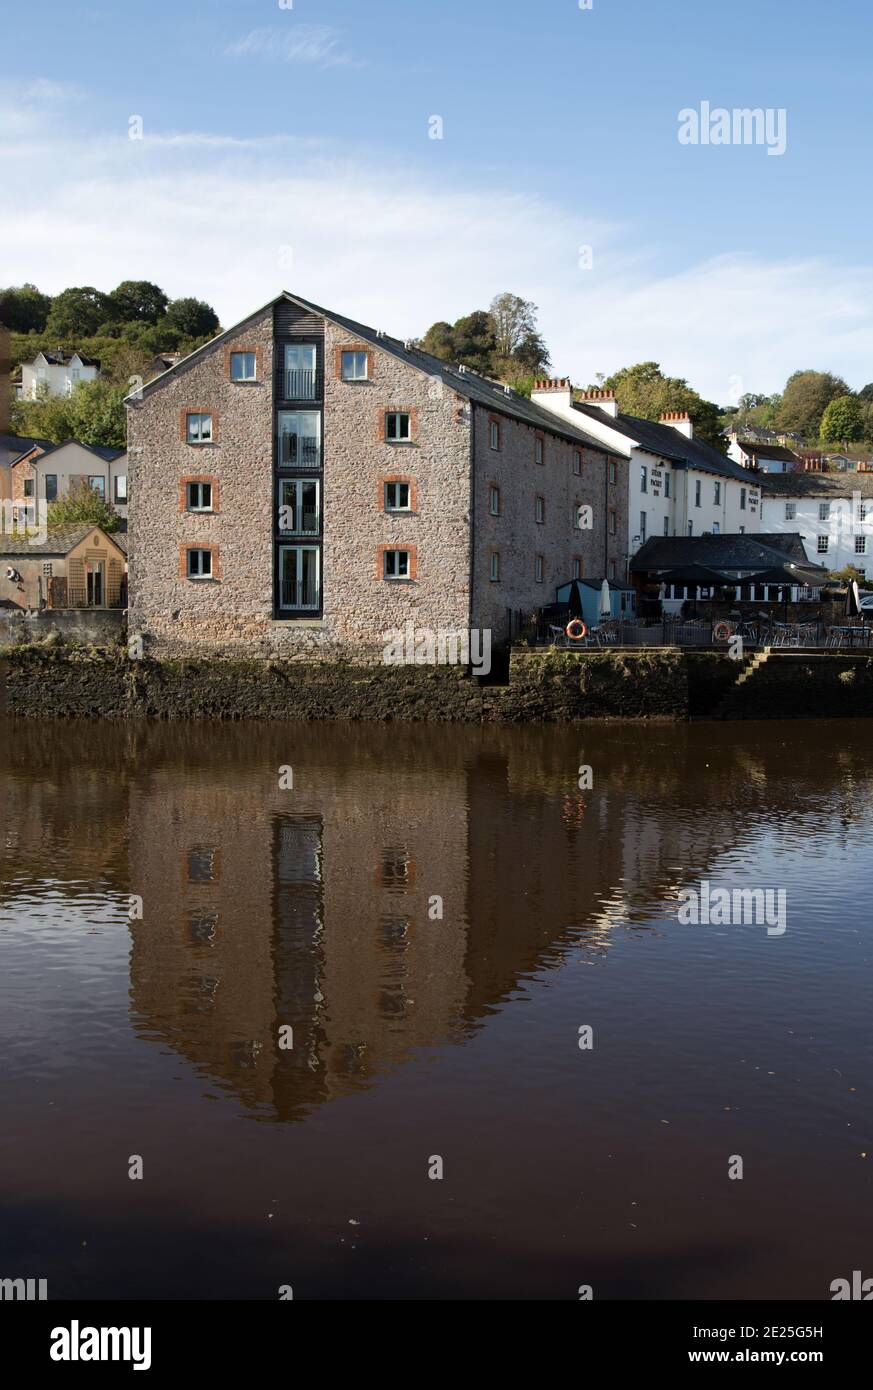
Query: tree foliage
[
  {"x": 643, "y": 390},
  {"x": 843, "y": 421},
  {"x": 82, "y": 504},
  {"x": 138, "y": 301},
  {"x": 192, "y": 318},
  {"x": 806, "y": 396},
  {"x": 93, "y": 414},
  {"x": 24, "y": 309},
  {"x": 502, "y": 342},
  {"x": 78, "y": 312}
]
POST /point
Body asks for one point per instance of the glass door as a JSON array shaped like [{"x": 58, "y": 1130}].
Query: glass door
[
  {"x": 299, "y": 577},
  {"x": 300, "y": 372}
]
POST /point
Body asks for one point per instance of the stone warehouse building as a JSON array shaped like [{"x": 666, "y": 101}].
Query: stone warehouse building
[{"x": 304, "y": 484}]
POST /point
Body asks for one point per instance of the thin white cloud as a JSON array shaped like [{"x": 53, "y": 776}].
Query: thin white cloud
[
  {"x": 234, "y": 222},
  {"x": 302, "y": 43}
]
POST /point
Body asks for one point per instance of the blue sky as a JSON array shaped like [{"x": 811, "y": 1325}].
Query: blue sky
[{"x": 288, "y": 148}]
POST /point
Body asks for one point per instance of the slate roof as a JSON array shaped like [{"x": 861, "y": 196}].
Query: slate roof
[
  {"x": 823, "y": 485},
  {"x": 101, "y": 451},
  {"x": 60, "y": 358},
  {"x": 766, "y": 451},
  {"x": 726, "y": 552},
  {"x": 59, "y": 541},
  {"x": 666, "y": 442},
  {"x": 12, "y": 446},
  {"x": 477, "y": 389}
]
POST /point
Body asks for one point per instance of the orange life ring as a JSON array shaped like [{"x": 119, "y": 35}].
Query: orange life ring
[
  {"x": 571, "y": 632},
  {"x": 722, "y": 631}
]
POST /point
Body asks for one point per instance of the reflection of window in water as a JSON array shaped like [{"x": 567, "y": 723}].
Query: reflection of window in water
[
  {"x": 393, "y": 931},
  {"x": 245, "y": 1053},
  {"x": 202, "y": 927},
  {"x": 392, "y": 1003},
  {"x": 298, "y": 850},
  {"x": 202, "y": 865},
  {"x": 396, "y": 870},
  {"x": 200, "y": 994}
]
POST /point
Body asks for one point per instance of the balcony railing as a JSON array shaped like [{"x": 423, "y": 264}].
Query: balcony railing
[
  {"x": 301, "y": 386},
  {"x": 299, "y": 452}
]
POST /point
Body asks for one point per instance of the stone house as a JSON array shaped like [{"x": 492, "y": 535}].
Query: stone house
[{"x": 304, "y": 484}]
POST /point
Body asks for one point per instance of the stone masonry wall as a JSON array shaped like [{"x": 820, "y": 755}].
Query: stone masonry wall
[
  {"x": 232, "y": 614},
  {"x": 517, "y": 536}
]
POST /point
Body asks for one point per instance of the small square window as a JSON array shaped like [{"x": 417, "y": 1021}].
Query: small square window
[
  {"x": 398, "y": 426},
  {"x": 199, "y": 429},
  {"x": 538, "y": 450},
  {"x": 494, "y": 572},
  {"x": 243, "y": 366},
  {"x": 354, "y": 365},
  {"x": 540, "y": 509},
  {"x": 202, "y": 865},
  {"x": 199, "y": 497},
  {"x": 494, "y": 500},
  {"x": 577, "y": 461},
  {"x": 396, "y": 564},
  {"x": 495, "y": 434},
  {"x": 397, "y": 497},
  {"x": 539, "y": 569},
  {"x": 199, "y": 564}
]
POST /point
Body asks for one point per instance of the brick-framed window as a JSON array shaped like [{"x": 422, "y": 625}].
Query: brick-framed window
[
  {"x": 613, "y": 521},
  {"x": 201, "y": 864},
  {"x": 397, "y": 494},
  {"x": 539, "y": 510},
  {"x": 494, "y": 566},
  {"x": 396, "y": 563},
  {"x": 539, "y": 448},
  {"x": 199, "y": 562},
  {"x": 577, "y": 462},
  {"x": 398, "y": 425},
  {"x": 539, "y": 568},
  {"x": 198, "y": 427},
  {"x": 353, "y": 362},
  {"x": 199, "y": 493},
  {"x": 243, "y": 364},
  {"x": 493, "y": 499},
  {"x": 495, "y": 433}
]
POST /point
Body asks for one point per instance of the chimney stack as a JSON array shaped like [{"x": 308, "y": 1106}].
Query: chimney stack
[
  {"x": 5, "y": 383},
  {"x": 679, "y": 420},
  {"x": 555, "y": 394},
  {"x": 602, "y": 400}
]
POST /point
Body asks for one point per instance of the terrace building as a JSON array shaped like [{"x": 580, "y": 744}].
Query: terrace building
[{"x": 304, "y": 484}]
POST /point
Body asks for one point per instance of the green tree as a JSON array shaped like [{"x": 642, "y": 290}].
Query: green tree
[
  {"x": 842, "y": 421},
  {"x": 516, "y": 334},
  {"x": 77, "y": 312},
  {"x": 192, "y": 318},
  {"x": 24, "y": 309},
  {"x": 643, "y": 390},
  {"x": 439, "y": 341},
  {"x": 82, "y": 504},
  {"x": 806, "y": 396},
  {"x": 93, "y": 414},
  {"x": 865, "y": 393},
  {"x": 474, "y": 340},
  {"x": 138, "y": 301}
]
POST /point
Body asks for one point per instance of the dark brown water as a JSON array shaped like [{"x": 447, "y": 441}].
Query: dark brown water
[{"x": 416, "y": 1037}]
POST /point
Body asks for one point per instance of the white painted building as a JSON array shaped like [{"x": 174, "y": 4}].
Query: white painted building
[
  {"x": 678, "y": 485},
  {"x": 56, "y": 374},
  {"x": 833, "y": 512}
]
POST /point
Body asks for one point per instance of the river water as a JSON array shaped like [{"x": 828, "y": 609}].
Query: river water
[{"x": 323, "y": 986}]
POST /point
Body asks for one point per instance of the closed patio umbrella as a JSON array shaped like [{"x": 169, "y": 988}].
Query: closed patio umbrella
[
  {"x": 574, "y": 602},
  {"x": 853, "y": 600},
  {"x": 605, "y": 600}
]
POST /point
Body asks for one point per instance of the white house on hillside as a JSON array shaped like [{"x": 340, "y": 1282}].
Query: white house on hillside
[
  {"x": 679, "y": 486},
  {"x": 56, "y": 373},
  {"x": 832, "y": 512}
]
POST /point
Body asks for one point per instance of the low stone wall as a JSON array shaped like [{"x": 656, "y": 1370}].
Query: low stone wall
[
  {"x": 98, "y": 627},
  {"x": 57, "y": 681}
]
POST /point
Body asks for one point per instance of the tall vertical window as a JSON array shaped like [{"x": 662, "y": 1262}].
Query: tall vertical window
[
  {"x": 494, "y": 500},
  {"x": 299, "y": 577},
  {"x": 300, "y": 371},
  {"x": 539, "y": 450},
  {"x": 577, "y": 461},
  {"x": 539, "y": 569},
  {"x": 742, "y": 499},
  {"x": 495, "y": 434},
  {"x": 299, "y": 506},
  {"x": 299, "y": 439},
  {"x": 494, "y": 567},
  {"x": 539, "y": 509},
  {"x": 642, "y": 526},
  {"x": 666, "y": 482},
  {"x": 644, "y": 478},
  {"x": 51, "y": 487},
  {"x": 697, "y": 491},
  {"x": 717, "y": 494}
]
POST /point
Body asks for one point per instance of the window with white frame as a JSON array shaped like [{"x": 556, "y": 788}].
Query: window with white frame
[
  {"x": 790, "y": 511},
  {"x": 539, "y": 568},
  {"x": 823, "y": 544},
  {"x": 860, "y": 545},
  {"x": 300, "y": 506},
  {"x": 354, "y": 365},
  {"x": 243, "y": 366},
  {"x": 397, "y": 497},
  {"x": 539, "y": 509},
  {"x": 697, "y": 491},
  {"x": 824, "y": 511},
  {"x": 199, "y": 428},
  {"x": 716, "y": 528},
  {"x": 301, "y": 371},
  {"x": 642, "y": 527},
  {"x": 199, "y": 564},
  {"x": 120, "y": 490},
  {"x": 97, "y": 483},
  {"x": 495, "y": 434},
  {"x": 299, "y": 577},
  {"x": 539, "y": 450},
  {"x": 398, "y": 426},
  {"x": 742, "y": 499},
  {"x": 198, "y": 497},
  {"x": 612, "y": 470},
  {"x": 396, "y": 564},
  {"x": 717, "y": 494},
  {"x": 644, "y": 478},
  {"x": 299, "y": 438},
  {"x": 577, "y": 461},
  {"x": 494, "y": 500}
]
